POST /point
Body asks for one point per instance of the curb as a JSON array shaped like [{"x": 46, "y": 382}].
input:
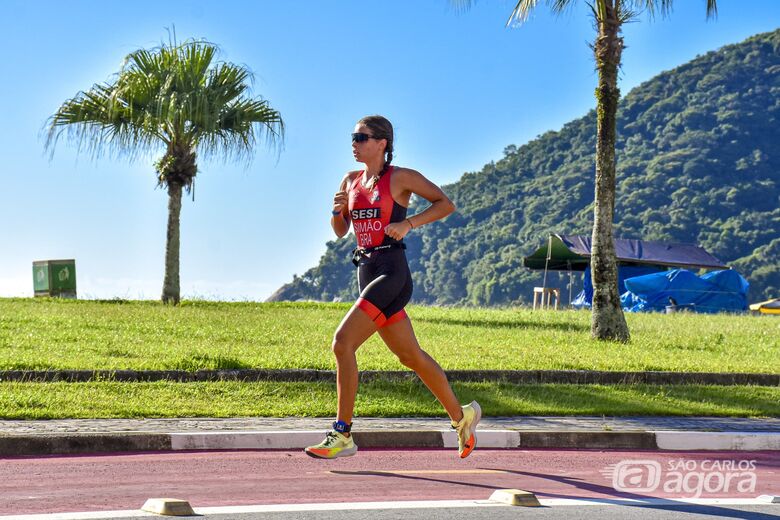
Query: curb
[
  {"x": 737, "y": 441},
  {"x": 575, "y": 377},
  {"x": 69, "y": 444}
]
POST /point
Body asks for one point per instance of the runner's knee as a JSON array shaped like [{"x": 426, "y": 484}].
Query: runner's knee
[
  {"x": 412, "y": 358},
  {"x": 341, "y": 345}
]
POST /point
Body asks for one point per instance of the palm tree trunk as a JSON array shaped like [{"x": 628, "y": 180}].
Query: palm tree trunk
[
  {"x": 608, "y": 321},
  {"x": 170, "y": 292}
]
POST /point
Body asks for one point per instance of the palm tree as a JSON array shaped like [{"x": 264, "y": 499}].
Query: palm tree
[
  {"x": 175, "y": 98},
  {"x": 608, "y": 321}
]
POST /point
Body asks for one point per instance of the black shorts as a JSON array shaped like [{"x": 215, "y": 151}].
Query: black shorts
[{"x": 385, "y": 286}]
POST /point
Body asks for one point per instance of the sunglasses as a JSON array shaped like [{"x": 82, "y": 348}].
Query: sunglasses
[{"x": 362, "y": 138}]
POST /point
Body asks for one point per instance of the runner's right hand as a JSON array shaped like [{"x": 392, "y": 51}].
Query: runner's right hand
[{"x": 340, "y": 201}]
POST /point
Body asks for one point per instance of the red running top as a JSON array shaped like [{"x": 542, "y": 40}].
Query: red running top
[{"x": 371, "y": 210}]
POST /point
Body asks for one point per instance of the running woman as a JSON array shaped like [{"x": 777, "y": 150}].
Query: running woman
[{"x": 374, "y": 201}]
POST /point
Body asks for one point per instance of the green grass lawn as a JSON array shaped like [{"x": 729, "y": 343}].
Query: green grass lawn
[
  {"x": 376, "y": 399},
  {"x": 38, "y": 334}
]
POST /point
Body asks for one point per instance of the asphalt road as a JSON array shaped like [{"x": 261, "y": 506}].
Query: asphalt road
[
  {"x": 54, "y": 484},
  {"x": 661, "y": 512}
]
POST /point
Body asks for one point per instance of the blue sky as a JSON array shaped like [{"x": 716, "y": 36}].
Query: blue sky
[{"x": 458, "y": 86}]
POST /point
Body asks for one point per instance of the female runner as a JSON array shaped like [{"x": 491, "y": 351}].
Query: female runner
[{"x": 374, "y": 200}]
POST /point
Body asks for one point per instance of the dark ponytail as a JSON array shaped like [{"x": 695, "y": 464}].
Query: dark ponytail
[{"x": 381, "y": 128}]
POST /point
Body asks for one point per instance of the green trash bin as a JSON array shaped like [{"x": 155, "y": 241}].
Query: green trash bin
[{"x": 55, "y": 278}]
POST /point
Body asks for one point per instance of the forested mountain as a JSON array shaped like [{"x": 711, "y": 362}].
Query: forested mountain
[{"x": 698, "y": 160}]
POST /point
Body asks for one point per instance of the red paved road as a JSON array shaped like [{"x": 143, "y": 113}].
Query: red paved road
[{"x": 125, "y": 481}]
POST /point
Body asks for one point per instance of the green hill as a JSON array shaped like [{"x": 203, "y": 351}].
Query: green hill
[{"x": 698, "y": 156}]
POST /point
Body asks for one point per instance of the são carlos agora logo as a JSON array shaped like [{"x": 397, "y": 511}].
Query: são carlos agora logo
[{"x": 683, "y": 477}]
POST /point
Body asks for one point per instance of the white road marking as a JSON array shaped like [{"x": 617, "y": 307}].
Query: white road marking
[
  {"x": 552, "y": 502},
  {"x": 338, "y": 506},
  {"x": 420, "y": 504},
  {"x": 134, "y": 513}
]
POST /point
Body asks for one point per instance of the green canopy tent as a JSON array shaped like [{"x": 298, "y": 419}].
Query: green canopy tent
[{"x": 572, "y": 253}]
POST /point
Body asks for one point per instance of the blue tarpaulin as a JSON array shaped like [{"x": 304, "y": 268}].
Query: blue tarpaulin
[
  {"x": 716, "y": 291},
  {"x": 584, "y": 299},
  {"x": 722, "y": 290}
]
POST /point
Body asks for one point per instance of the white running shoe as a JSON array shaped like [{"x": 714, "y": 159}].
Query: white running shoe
[{"x": 467, "y": 429}]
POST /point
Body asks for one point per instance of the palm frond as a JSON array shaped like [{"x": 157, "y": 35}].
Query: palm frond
[
  {"x": 523, "y": 9},
  {"x": 238, "y": 128},
  {"x": 97, "y": 121},
  {"x": 664, "y": 7},
  {"x": 462, "y": 5},
  {"x": 521, "y": 12},
  {"x": 626, "y": 12},
  {"x": 712, "y": 9},
  {"x": 654, "y": 7},
  {"x": 176, "y": 94}
]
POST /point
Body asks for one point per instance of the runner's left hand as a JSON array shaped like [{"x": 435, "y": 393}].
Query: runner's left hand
[{"x": 398, "y": 230}]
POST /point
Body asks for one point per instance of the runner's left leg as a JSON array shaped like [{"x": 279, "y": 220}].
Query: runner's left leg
[{"x": 400, "y": 339}]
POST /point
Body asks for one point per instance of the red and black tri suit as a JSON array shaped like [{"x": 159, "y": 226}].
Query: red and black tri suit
[{"x": 383, "y": 275}]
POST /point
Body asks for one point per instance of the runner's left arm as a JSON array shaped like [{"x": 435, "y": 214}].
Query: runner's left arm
[{"x": 413, "y": 182}]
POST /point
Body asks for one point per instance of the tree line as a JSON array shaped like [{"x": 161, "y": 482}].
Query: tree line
[{"x": 696, "y": 162}]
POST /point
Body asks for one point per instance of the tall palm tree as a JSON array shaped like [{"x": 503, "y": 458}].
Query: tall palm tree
[
  {"x": 176, "y": 99},
  {"x": 608, "y": 321}
]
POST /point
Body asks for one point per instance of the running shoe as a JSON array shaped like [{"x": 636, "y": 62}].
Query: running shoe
[
  {"x": 467, "y": 429},
  {"x": 334, "y": 445}
]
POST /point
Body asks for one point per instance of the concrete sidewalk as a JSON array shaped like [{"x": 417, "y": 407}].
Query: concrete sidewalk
[{"x": 25, "y": 438}]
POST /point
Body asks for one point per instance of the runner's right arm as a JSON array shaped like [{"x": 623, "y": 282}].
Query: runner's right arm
[{"x": 340, "y": 220}]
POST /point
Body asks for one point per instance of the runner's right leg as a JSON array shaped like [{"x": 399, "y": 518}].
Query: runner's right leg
[{"x": 354, "y": 330}]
